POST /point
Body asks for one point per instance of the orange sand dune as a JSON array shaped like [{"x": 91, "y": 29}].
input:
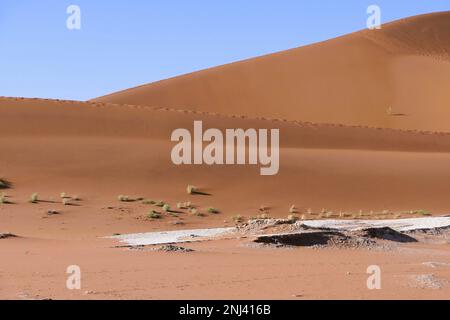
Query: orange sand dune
[
  {"x": 98, "y": 151},
  {"x": 104, "y": 150},
  {"x": 340, "y": 150},
  {"x": 355, "y": 79}
]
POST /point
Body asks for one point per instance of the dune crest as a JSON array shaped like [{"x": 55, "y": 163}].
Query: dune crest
[{"x": 353, "y": 80}]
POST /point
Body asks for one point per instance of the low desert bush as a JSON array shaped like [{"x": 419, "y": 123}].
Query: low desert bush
[
  {"x": 154, "y": 215},
  {"x": 166, "y": 207},
  {"x": 34, "y": 198},
  {"x": 3, "y": 198},
  {"x": 191, "y": 189},
  {"x": 4, "y": 184},
  {"x": 195, "y": 212},
  {"x": 292, "y": 218},
  {"x": 424, "y": 212},
  {"x": 123, "y": 198},
  {"x": 264, "y": 216},
  {"x": 184, "y": 205},
  {"x": 213, "y": 210},
  {"x": 148, "y": 201},
  {"x": 238, "y": 218}
]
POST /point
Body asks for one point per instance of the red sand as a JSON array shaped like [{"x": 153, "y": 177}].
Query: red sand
[{"x": 99, "y": 150}]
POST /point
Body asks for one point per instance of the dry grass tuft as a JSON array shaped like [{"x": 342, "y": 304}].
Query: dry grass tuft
[{"x": 4, "y": 184}]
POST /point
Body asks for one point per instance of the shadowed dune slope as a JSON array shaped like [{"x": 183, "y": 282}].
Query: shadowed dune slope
[
  {"x": 105, "y": 150},
  {"x": 353, "y": 80}
]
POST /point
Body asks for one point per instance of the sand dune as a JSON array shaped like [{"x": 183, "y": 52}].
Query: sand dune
[
  {"x": 106, "y": 150},
  {"x": 340, "y": 151},
  {"x": 353, "y": 80}
]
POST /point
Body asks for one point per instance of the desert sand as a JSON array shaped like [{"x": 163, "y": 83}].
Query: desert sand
[
  {"x": 363, "y": 125},
  {"x": 350, "y": 80}
]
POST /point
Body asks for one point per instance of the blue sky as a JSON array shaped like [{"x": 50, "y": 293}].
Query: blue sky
[{"x": 124, "y": 43}]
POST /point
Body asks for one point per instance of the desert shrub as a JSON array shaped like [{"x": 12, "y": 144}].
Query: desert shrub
[
  {"x": 184, "y": 205},
  {"x": 63, "y": 195},
  {"x": 154, "y": 215},
  {"x": 213, "y": 210},
  {"x": 34, "y": 198},
  {"x": 423, "y": 212},
  {"x": 160, "y": 204},
  {"x": 3, "y": 198},
  {"x": 238, "y": 218},
  {"x": 148, "y": 201},
  {"x": 166, "y": 207},
  {"x": 293, "y": 209},
  {"x": 264, "y": 216},
  {"x": 65, "y": 201},
  {"x": 4, "y": 184},
  {"x": 292, "y": 218},
  {"x": 191, "y": 189},
  {"x": 123, "y": 198},
  {"x": 195, "y": 212}
]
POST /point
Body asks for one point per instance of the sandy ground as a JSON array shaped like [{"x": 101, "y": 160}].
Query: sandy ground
[
  {"x": 340, "y": 152},
  {"x": 35, "y": 269}
]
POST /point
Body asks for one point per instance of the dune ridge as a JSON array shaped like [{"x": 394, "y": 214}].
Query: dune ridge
[
  {"x": 351, "y": 80},
  {"x": 221, "y": 115}
]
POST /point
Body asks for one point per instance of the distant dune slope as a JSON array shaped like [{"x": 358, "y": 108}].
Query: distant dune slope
[
  {"x": 50, "y": 146},
  {"x": 354, "y": 79}
]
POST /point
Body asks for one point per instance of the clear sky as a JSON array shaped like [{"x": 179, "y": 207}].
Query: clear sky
[{"x": 124, "y": 43}]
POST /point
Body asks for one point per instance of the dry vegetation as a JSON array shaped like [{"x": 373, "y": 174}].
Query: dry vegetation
[{"x": 4, "y": 184}]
